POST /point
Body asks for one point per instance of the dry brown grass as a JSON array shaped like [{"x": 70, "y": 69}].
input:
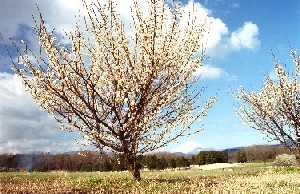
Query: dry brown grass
[{"x": 278, "y": 180}]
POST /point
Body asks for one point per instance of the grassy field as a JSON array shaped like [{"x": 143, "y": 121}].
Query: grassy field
[{"x": 252, "y": 178}]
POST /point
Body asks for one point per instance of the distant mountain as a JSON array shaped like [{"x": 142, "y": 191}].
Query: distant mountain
[
  {"x": 196, "y": 150},
  {"x": 190, "y": 148},
  {"x": 277, "y": 145},
  {"x": 180, "y": 154},
  {"x": 231, "y": 150},
  {"x": 235, "y": 149}
]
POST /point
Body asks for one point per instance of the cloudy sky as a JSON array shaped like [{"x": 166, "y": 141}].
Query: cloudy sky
[{"x": 242, "y": 37}]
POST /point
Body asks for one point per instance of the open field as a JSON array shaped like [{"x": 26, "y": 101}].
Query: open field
[{"x": 250, "y": 178}]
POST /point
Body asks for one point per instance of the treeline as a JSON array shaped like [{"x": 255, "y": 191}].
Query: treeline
[
  {"x": 93, "y": 161},
  {"x": 210, "y": 157},
  {"x": 85, "y": 161},
  {"x": 257, "y": 153}
]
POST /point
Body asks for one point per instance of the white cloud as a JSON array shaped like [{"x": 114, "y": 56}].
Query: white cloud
[
  {"x": 187, "y": 147},
  {"x": 24, "y": 127},
  {"x": 215, "y": 29},
  {"x": 219, "y": 40},
  {"x": 218, "y": 30},
  {"x": 210, "y": 72},
  {"x": 245, "y": 37},
  {"x": 60, "y": 14}
]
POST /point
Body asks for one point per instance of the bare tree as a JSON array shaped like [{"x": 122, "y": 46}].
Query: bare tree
[
  {"x": 130, "y": 94},
  {"x": 275, "y": 109}
]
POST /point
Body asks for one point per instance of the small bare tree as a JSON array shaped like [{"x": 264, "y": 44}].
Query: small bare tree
[
  {"x": 129, "y": 94},
  {"x": 275, "y": 109}
]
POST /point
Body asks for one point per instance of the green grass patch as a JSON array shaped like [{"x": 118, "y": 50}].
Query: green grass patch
[{"x": 288, "y": 169}]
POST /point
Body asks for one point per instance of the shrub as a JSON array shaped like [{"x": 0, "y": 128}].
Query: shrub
[{"x": 286, "y": 160}]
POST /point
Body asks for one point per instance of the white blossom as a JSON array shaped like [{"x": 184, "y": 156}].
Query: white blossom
[{"x": 275, "y": 109}]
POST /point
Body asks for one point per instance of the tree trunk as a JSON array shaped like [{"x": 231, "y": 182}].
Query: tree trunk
[
  {"x": 136, "y": 172},
  {"x": 298, "y": 154},
  {"x": 298, "y": 146},
  {"x": 134, "y": 168}
]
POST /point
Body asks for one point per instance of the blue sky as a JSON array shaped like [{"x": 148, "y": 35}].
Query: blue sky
[{"x": 240, "y": 44}]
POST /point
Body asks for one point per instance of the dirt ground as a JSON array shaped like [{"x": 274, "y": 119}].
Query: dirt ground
[{"x": 219, "y": 166}]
